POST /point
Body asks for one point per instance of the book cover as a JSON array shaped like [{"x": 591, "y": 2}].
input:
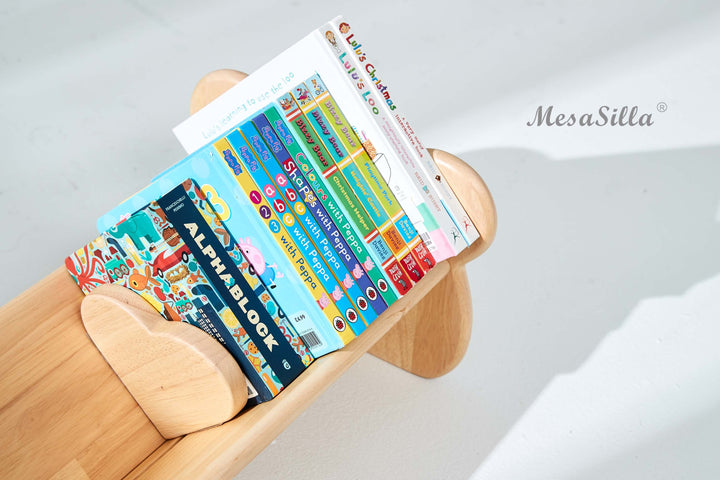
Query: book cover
[
  {"x": 230, "y": 283},
  {"x": 146, "y": 255},
  {"x": 239, "y": 257}
]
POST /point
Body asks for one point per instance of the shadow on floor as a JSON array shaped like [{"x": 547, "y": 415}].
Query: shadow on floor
[{"x": 579, "y": 244}]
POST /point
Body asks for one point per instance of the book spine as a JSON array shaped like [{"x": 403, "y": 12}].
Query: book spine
[
  {"x": 283, "y": 168},
  {"x": 303, "y": 267},
  {"x": 367, "y": 167},
  {"x": 236, "y": 254},
  {"x": 345, "y": 228},
  {"x": 246, "y": 140},
  {"x": 429, "y": 217},
  {"x": 352, "y": 174},
  {"x": 231, "y": 285},
  {"x": 354, "y": 208},
  {"x": 403, "y": 133}
]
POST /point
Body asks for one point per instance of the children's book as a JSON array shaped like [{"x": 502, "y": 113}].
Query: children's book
[{"x": 354, "y": 149}]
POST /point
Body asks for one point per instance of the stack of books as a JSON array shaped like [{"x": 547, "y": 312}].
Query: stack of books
[{"x": 307, "y": 206}]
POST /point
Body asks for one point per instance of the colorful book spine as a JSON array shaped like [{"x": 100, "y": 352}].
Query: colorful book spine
[
  {"x": 301, "y": 166},
  {"x": 368, "y": 301},
  {"x": 353, "y": 207},
  {"x": 351, "y": 172},
  {"x": 286, "y": 279},
  {"x": 293, "y": 252},
  {"x": 351, "y": 142},
  {"x": 248, "y": 143},
  {"x": 403, "y": 135},
  {"x": 418, "y": 199}
]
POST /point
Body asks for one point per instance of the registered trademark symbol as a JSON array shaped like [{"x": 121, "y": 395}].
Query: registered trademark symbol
[{"x": 662, "y": 107}]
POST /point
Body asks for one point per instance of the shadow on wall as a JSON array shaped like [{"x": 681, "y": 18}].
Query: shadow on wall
[{"x": 580, "y": 243}]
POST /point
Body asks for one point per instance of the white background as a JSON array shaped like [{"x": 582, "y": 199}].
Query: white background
[{"x": 594, "y": 352}]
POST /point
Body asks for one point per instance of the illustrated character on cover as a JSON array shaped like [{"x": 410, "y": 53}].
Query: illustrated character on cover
[
  {"x": 323, "y": 301},
  {"x": 302, "y": 94},
  {"x": 252, "y": 355},
  {"x": 87, "y": 270},
  {"x": 267, "y": 273},
  {"x": 285, "y": 102},
  {"x": 140, "y": 282},
  {"x": 330, "y": 36},
  {"x": 137, "y": 227},
  {"x": 358, "y": 272}
]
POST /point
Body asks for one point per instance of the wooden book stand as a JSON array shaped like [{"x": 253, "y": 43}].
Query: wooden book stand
[{"x": 64, "y": 412}]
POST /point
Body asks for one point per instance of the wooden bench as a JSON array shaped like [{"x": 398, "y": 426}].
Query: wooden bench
[{"x": 64, "y": 413}]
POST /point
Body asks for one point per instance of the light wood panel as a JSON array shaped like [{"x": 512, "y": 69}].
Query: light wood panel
[
  {"x": 62, "y": 409},
  {"x": 182, "y": 378}
]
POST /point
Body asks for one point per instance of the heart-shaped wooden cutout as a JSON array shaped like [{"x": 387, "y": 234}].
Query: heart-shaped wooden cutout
[{"x": 182, "y": 378}]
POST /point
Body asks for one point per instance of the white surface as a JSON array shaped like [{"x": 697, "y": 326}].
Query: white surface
[{"x": 595, "y": 346}]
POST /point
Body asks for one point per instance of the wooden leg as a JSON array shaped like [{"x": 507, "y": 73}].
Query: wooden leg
[
  {"x": 212, "y": 86},
  {"x": 164, "y": 364},
  {"x": 431, "y": 339}
]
